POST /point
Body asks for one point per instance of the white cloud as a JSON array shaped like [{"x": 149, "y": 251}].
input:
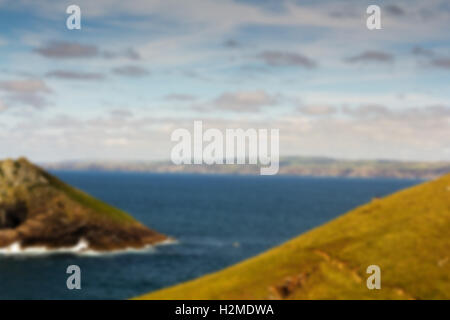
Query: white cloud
[
  {"x": 244, "y": 101},
  {"x": 413, "y": 134},
  {"x": 25, "y": 86},
  {"x": 3, "y": 107},
  {"x": 175, "y": 38},
  {"x": 116, "y": 142}
]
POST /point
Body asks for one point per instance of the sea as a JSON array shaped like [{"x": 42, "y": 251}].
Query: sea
[{"x": 217, "y": 221}]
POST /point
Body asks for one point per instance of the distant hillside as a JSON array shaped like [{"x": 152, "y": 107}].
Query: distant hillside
[
  {"x": 406, "y": 234},
  {"x": 302, "y": 166},
  {"x": 37, "y": 209}
]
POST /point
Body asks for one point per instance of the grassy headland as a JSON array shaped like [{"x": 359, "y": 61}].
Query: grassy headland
[
  {"x": 38, "y": 209},
  {"x": 406, "y": 234}
]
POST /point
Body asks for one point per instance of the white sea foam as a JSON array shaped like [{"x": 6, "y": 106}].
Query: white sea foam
[{"x": 81, "y": 248}]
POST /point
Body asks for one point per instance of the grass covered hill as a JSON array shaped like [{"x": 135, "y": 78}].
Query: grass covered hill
[
  {"x": 37, "y": 209},
  {"x": 406, "y": 234}
]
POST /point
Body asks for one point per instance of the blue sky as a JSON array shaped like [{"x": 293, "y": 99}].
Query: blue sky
[{"x": 137, "y": 70}]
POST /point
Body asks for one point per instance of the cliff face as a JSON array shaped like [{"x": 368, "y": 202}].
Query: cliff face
[{"x": 37, "y": 209}]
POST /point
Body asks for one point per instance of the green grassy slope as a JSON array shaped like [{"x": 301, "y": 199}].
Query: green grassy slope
[
  {"x": 30, "y": 176},
  {"x": 97, "y": 206},
  {"x": 407, "y": 234}
]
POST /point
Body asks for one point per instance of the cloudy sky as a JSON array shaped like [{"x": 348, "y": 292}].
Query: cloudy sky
[{"x": 139, "y": 69}]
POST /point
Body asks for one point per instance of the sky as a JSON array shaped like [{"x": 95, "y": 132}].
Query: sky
[{"x": 139, "y": 69}]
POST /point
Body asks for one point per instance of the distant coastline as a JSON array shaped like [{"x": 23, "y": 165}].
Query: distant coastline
[{"x": 298, "y": 166}]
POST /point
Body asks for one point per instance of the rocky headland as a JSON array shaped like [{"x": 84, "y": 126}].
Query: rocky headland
[{"x": 39, "y": 210}]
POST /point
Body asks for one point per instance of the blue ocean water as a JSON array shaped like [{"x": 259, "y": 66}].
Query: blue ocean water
[{"x": 217, "y": 220}]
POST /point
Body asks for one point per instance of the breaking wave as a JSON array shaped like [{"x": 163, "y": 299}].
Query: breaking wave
[{"x": 81, "y": 248}]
